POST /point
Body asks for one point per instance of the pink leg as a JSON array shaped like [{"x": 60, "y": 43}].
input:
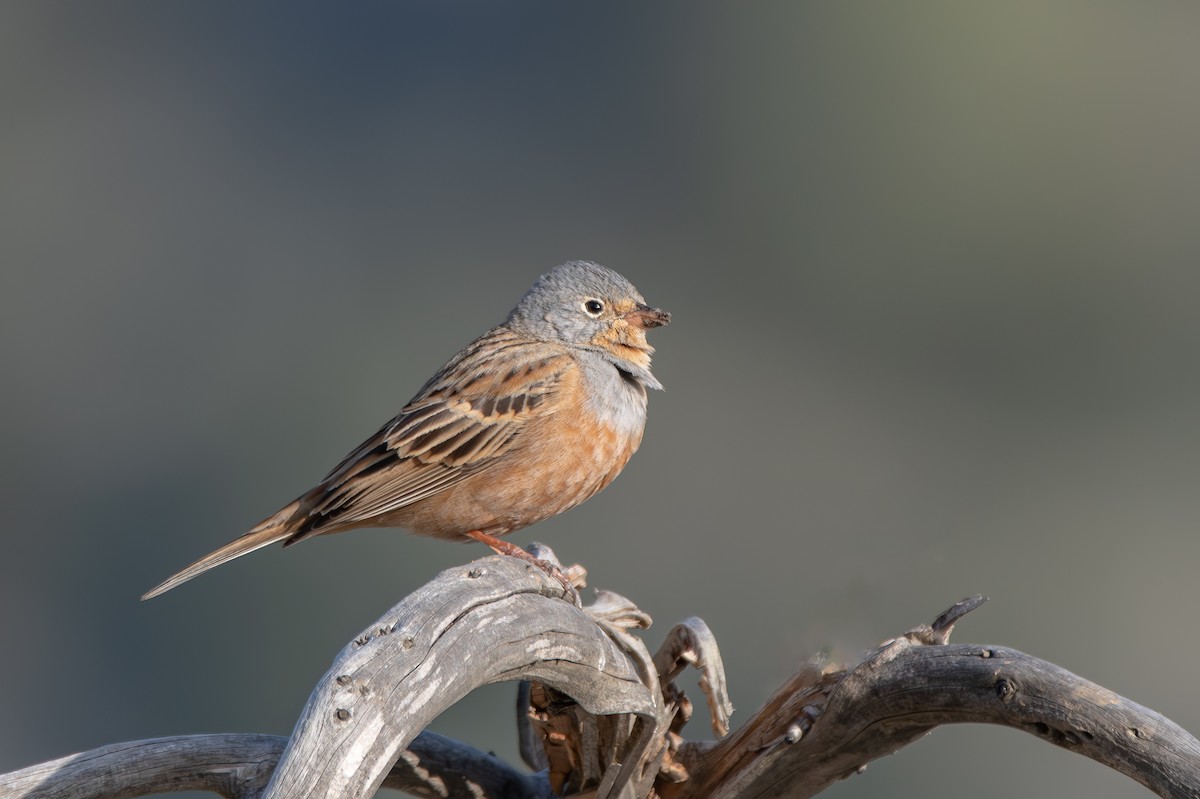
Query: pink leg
[{"x": 512, "y": 550}]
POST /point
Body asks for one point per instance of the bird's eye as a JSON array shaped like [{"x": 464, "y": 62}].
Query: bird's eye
[{"x": 593, "y": 307}]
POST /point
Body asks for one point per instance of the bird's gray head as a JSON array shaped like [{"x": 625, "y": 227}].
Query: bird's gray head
[{"x": 585, "y": 305}]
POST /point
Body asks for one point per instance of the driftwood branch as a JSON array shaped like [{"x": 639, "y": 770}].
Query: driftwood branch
[
  {"x": 496, "y": 619},
  {"x": 238, "y": 766},
  {"x": 826, "y": 724},
  {"x": 600, "y": 717}
]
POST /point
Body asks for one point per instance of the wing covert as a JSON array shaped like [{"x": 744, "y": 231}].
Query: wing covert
[{"x": 464, "y": 418}]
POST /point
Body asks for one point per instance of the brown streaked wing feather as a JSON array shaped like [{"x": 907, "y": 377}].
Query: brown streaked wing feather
[
  {"x": 388, "y": 491},
  {"x": 465, "y": 418}
]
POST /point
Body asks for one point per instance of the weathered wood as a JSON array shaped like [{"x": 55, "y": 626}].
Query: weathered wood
[
  {"x": 233, "y": 766},
  {"x": 691, "y": 643},
  {"x": 613, "y": 755},
  {"x": 239, "y": 767},
  {"x": 496, "y": 619},
  {"x": 828, "y": 723},
  {"x": 607, "y": 717}
]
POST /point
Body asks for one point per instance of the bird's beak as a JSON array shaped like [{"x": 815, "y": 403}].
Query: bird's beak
[{"x": 646, "y": 317}]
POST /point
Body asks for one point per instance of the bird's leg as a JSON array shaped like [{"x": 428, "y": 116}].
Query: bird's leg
[{"x": 508, "y": 548}]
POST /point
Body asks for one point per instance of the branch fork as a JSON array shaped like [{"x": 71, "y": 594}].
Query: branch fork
[{"x": 599, "y": 716}]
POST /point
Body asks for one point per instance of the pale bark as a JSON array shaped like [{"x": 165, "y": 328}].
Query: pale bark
[
  {"x": 238, "y": 766},
  {"x": 600, "y": 717}
]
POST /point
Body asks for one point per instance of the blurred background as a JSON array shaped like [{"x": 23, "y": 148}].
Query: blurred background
[{"x": 933, "y": 271}]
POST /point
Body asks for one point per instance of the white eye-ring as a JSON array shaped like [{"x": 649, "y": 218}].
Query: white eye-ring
[{"x": 593, "y": 307}]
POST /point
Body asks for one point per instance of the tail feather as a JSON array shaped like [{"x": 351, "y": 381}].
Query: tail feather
[{"x": 279, "y": 527}]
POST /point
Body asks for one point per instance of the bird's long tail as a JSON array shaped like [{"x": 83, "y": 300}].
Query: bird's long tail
[{"x": 278, "y": 527}]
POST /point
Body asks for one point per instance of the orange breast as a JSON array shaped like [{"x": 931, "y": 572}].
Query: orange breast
[{"x": 564, "y": 458}]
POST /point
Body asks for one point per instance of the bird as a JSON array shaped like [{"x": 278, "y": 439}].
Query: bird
[{"x": 527, "y": 421}]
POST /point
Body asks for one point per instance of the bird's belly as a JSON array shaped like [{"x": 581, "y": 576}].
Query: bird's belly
[{"x": 541, "y": 481}]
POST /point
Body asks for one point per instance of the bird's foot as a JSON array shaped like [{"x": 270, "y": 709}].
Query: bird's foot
[{"x": 501, "y": 547}]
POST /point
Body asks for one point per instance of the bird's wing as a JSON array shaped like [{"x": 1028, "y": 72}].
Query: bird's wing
[{"x": 464, "y": 419}]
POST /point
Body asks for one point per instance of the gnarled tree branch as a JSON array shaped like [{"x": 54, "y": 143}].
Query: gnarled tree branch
[
  {"x": 238, "y": 766},
  {"x": 496, "y": 619},
  {"x": 827, "y": 724},
  {"x": 603, "y": 717}
]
